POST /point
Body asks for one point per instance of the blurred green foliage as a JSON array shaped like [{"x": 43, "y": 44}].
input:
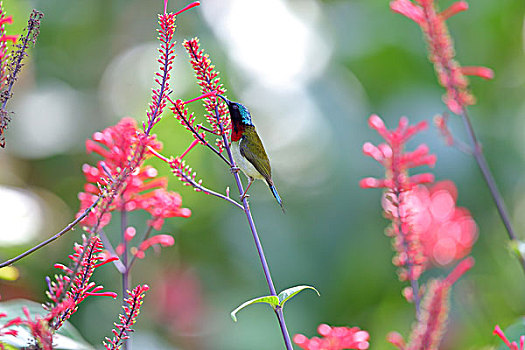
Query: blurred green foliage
[{"x": 332, "y": 234}]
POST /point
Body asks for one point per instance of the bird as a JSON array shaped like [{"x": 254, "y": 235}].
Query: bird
[{"x": 248, "y": 150}]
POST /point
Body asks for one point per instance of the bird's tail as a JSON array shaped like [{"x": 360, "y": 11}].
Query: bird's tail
[{"x": 276, "y": 195}]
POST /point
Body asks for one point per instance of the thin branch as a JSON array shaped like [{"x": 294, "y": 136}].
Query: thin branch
[
  {"x": 491, "y": 183},
  {"x": 195, "y": 184},
  {"x": 109, "y": 247},
  {"x": 51, "y": 239}
]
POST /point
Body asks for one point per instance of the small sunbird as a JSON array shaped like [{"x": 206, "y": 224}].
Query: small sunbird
[{"x": 248, "y": 150}]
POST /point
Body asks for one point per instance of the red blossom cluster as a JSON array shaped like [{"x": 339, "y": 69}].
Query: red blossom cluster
[
  {"x": 446, "y": 232},
  {"x": 399, "y": 185},
  {"x": 141, "y": 189},
  {"x": 450, "y": 74},
  {"x": 334, "y": 338},
  {"x": 128, "y": 318},
  {"x": 428, "y": 331},
  {"x": 511, "y": 345}
]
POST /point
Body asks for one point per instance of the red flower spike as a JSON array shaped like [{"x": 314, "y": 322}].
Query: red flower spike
[
  {"x": 428, "y": 331},
  {"x": 440, "y": 46},
  {"x": 67, "y": 292},
  {"x": 210, "y": 82},
  {"x": 166, "y": 58},
  {"x": 128, "y": 318},
  {"x": 410, "y": 258},
  {"x": 334, "y": 338}
]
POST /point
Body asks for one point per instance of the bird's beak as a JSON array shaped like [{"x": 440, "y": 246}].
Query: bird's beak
[{"x": 225, "y": 99}]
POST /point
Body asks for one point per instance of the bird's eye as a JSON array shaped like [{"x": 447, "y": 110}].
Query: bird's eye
[{"x": 235, "y": 107}]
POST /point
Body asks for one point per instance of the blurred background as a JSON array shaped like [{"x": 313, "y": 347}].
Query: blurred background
[{"x": 311, "y": 73}]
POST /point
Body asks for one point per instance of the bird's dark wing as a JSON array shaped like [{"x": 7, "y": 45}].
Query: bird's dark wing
[{"x": 252, "y": 149}]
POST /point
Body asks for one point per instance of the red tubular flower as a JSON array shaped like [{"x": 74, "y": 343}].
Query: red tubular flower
[
  {"x": 128, "y": 319},
  {"x": 450, "y": 74},
  {"x": 162, "y": 204},
  {"x": 513, "y": 345},
  {"x": 209, "y": 81},
  {"x": 163, "y": 240},
  {"x": 397, "y": 162},
  {"x": 140, "y": 189},
  {"x": 334, "y": 338},
  {"x": 428, "y": 331}
]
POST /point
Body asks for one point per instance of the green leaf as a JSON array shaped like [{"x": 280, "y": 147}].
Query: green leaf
[
  {"x": 271, "y": 300},
  {"x": 289, "y": 293},
  {"x": 67, "y": 337}
]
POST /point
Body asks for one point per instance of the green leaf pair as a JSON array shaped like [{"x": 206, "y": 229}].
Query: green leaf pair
[{"x": 273, "y": 300}]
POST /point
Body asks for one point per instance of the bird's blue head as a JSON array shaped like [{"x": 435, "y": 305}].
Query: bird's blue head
[{"x": 239, "y": 114}]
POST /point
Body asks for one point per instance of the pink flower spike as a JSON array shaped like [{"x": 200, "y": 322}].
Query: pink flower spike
[
  {"x": 408, "y": 9},
  {"x": 482, "y": 72},
  {"x": 455, "y": 8},
  {"x": 459, "y": 270},
  {"x": 206, "y": 95},
  {"x": 192, "y": 5}
]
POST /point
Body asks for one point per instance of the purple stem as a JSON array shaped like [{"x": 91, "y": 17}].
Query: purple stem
[
  {"x": 491, "y": 183},
  {"x": 258, "y": 245},
  {"x": 125, "y": 276}
]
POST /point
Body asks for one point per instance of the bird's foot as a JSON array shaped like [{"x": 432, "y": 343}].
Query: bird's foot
[{"x": 235, "y": 169}]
